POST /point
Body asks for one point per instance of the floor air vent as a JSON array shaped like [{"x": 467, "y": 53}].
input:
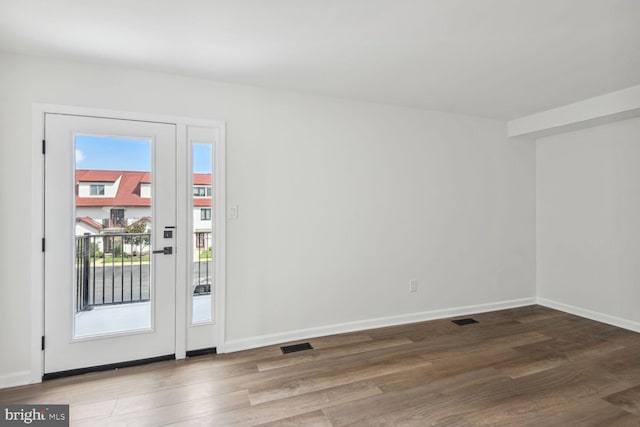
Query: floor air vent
[
  {"x": 466, "y": 321},
  {"x": 296, "y": 347}
]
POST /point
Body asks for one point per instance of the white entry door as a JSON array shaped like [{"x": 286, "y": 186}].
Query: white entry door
[{"x": 110, "y": 216}]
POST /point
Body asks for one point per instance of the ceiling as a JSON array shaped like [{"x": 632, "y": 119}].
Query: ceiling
[{"x": 492, "y": 58}]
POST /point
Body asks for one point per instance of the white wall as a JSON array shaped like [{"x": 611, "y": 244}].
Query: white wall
[
  {"x": 201, "y": 224},
  {"x": 98, "y": 213},
  {"x": 83, "y": 228},
  {"x": 588, "y": 222},
  {"x": 341, "y": 203},
  {"x": 110, "y": 188},
  {"x": 145, "y": 190}
]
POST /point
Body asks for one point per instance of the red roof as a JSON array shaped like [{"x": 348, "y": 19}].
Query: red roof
[
  {"x": 201, "y": 179},
  {"x": 96, "y": 176},
  {"x": 202, "y": 202},
  {"x": 129, "y": 188},
  {"x": 90, "y": 222}
]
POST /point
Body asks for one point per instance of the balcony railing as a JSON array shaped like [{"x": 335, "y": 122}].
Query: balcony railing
[
  {"x": 116, "y": 268},
  {"x": 202, "y": 270},
  {"x": 112, "y": 269}
]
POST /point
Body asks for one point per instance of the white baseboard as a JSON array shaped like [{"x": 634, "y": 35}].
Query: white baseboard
[
  {"x": 15, "y": 379},
  {"x": 341, "y": 328},
  {"x": 590, "y": 314},
  {"x": 25, "y": 377}
]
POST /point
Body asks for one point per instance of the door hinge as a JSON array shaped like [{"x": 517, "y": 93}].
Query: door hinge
[
  {"x": 43, "y": 342},
  {"x": 43, "y": 244},
  {"x": 44, "y": 147}
]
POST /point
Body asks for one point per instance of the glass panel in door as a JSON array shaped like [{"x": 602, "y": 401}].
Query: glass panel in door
[
  {"x": 113, "y": 217},
  {"x": 202, "y": 241}
]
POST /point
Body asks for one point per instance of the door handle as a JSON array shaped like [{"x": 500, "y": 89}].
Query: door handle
[{"x": 167, "y": 250}]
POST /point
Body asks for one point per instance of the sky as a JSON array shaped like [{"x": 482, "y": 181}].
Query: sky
[{"x": 121, "y": 154}]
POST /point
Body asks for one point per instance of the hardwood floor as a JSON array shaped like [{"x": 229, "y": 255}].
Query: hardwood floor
[{"x": 529, "y": 366}]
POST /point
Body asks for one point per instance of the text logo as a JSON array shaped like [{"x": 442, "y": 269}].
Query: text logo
[{"x": 36, "y": 415}]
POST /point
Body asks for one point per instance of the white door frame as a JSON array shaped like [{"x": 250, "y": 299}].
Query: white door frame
[{"x": 182, "y": 272}]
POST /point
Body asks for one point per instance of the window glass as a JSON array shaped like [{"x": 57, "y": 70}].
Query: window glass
[
  {"x": 202, "y": 270},
  {"x": 97, "y": 189},
  {"x": 113, "y": 290}
]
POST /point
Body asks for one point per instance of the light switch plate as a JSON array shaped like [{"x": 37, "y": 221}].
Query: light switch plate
[{"x": 233, "y": 212}]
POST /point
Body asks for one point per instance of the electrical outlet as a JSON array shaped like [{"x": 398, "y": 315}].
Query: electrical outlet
[{"x": 413, "y": 285}]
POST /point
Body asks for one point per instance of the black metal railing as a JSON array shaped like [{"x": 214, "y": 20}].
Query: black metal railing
[
  {"x": 116, "y": 269},
  {"x": 203, "y": 266},
  {"x": 112, "y": 269}
]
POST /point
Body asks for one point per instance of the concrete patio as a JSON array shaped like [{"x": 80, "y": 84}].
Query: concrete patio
[{"x": 109, "y": 319}]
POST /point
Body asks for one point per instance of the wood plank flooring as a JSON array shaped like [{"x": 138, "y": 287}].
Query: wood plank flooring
[{"x": 530, "y": 366}]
